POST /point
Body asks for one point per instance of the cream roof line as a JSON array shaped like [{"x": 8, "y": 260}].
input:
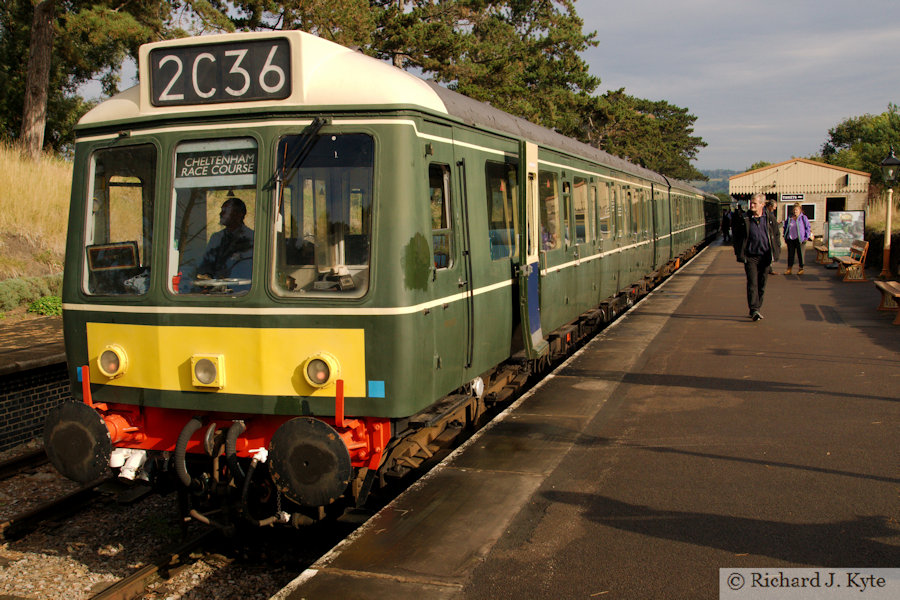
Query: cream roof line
[{"x": 802, "y": 160}]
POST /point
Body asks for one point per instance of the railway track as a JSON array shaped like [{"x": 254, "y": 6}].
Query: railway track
[
  {"x": 60, "y": 507},
  {"x": 22, "y": 463},
  {"x": 169, "y": 564}
]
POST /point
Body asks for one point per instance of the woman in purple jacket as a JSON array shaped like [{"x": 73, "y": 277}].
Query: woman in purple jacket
[{"x": 796, "y": 231}]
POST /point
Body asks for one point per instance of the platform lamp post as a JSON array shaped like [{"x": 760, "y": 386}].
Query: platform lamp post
[{"x": 890, "y": 169}]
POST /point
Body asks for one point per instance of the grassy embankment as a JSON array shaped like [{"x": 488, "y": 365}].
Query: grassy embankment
[{"x": 34, "y": 206}]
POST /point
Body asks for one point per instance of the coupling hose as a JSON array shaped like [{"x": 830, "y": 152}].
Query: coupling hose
[
  {"x": 181, "y": 450},
  {"x": 236, "y": 429}
]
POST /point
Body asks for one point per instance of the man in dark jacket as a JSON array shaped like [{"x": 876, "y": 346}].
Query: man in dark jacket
[{"x": 757, "y": 243}]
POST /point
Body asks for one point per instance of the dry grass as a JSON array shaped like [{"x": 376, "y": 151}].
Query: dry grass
[
  {"x": 34, "y": 209},
  {"x": 34, "y": 195},
  {"x": 875, "y": 213}
]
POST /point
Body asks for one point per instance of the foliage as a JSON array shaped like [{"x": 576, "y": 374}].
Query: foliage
[
  {"x": 25, "y": 290},
  {"x": 520, "y": 56},
  {"x": 861, "y": 143},
  {"x": 349, "y": 22},
  {"x": 760, "y": 164},
  {"x": 91, "y": 39},
  {"x": 48, "y": 306},
  {"x": 654, "y": 134}
]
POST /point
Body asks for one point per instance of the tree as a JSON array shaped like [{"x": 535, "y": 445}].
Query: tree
[
  {"x": 520, "y": 56},
  {"x": 760, "y": 164},
  {"x": 861, "y": 143},
  {"x": 69, "y": 43},
  {"x": 654, "y": 134},
  {"x": 34, "y": 112},
  {"x": 349, "y": 22}
]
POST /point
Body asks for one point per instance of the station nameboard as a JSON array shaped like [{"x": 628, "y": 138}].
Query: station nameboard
[{"x": 215, "y": 73}]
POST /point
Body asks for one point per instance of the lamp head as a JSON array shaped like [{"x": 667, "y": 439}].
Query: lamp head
[{"x": 890, "y": 169}]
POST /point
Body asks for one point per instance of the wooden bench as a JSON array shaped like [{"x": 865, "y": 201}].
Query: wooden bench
[
  {"x": 822, "y": 253},
  {"x": 890, "y": 295},
  {"x": 853, "y": 267}
]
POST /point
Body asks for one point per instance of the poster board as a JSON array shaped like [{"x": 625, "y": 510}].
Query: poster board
[{"x": 844, "y": 226}]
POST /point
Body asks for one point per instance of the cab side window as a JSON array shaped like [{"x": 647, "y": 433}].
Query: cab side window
[
  {"x": 439, "y": 200},
  {"x": 119, "y": 224}
]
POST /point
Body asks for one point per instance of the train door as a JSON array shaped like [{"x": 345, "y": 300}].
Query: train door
[
  {"x": 451, "y": 278},
  {"x": 530, "y": 271},
  {"x": 624, "y": 236},
  {"x": 655, "y": 200}
]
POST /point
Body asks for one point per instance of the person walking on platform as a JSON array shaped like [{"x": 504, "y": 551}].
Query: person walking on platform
[
  {"x": 757, "y": 243},
  {"x": 726, "y": 225},
  {"x": 771, "y": 209},
  {"x": 796, "y": 231}
]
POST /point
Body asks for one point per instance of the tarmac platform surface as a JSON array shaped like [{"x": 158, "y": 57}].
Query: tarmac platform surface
[
  {"x": 684, "y": 438},
  {"x": 31, "y": 343}
]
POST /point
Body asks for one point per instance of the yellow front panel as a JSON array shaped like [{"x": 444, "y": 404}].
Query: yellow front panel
[{"x": 257, "y": 361}]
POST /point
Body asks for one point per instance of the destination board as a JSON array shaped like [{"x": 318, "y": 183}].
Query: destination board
[
  {"x": 215, "y": 73},
  {"x": 217, "y": 163}
]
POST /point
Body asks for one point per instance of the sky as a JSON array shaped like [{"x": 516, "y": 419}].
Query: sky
[{"x": 766, "y": 79}]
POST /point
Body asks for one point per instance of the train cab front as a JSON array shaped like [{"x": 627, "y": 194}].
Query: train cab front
[{"x": 212, "y": 321}]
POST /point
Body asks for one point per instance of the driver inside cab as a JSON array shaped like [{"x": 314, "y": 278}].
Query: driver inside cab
[{"x": 229, "y": 253}]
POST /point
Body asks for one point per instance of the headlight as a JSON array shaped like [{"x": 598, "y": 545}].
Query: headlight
[
  {"x": 208, "y": 370},
  {"x": 113, "y": 362},
  {"x": 321, "y": 370}
]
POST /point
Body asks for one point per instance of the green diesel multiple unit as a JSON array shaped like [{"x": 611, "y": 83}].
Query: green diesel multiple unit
[{"x": 288, "y": 264}]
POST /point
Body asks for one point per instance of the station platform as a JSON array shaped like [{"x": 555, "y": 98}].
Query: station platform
[
  {"x": 30, "y": 344},
  {"x": 683, "y": 439}
]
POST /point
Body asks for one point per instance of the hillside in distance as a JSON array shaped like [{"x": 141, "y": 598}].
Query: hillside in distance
[{"x": 718, "y": 180}]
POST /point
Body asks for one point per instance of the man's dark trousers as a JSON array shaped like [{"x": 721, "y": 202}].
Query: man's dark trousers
[{"x": 757, "y": 270}]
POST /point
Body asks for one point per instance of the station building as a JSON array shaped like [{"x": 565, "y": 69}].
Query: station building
[{"x": 818, "y": 187}]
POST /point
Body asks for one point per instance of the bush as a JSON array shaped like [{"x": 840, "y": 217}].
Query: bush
[
  {"x": 25, "y": 290},
  {"x": 48, "y": 306}
]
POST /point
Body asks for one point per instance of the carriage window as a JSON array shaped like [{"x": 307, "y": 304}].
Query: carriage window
[
  {"x": 119, "y": 227},
  {"x": 623, "y": 216},
  {"x": 603, "y": 212},
  {"x": 580, "y": 204},
  {"x": 502, "y": 192},
  {"x": 439, "y": 201},
  {"x": 636, "y": 211},
  {"x": 548, "y": 191},
  {"x": 324, "y": 219},
  {"x": 211, "y": 243}
]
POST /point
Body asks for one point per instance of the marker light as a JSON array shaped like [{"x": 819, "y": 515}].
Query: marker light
[
  {"x": 113, "y": 362},
  {"x": 321, "y": 369},
  {"x": 208, "y": 370}
]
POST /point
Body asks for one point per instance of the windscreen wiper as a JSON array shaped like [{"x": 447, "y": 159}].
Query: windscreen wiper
[{"x": 305, "y": 145}]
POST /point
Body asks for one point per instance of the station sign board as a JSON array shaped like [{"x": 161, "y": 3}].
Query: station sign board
[{"x": 844, "y": 227}]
